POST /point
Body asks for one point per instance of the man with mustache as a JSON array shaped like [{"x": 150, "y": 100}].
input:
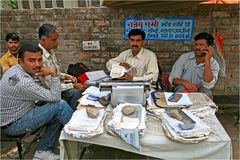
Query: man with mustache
[
  {"x": 142, "y": 62},
  {"x": 49, "y": 40},
  {"x": 197, "y": 70},
  {"x": 10, "y": 58},
  {"x": 19, "y": 92}
]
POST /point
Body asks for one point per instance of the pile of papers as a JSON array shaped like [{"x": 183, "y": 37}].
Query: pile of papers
[
  {"x": 91, "y": 96},
  {"x": 93, "y": 76},
  {"x": 129, "y": 128},
  {"x": 82, "y": 126},
  {"x": 200, "y": 104},
  {"x": 173, "y": 130}
]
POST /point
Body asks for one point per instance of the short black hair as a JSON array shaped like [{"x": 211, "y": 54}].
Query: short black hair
[
  {"x": 204, "y": 35},
  {"x": 135, "y": 32},
  {"x": 28, "y": 46},
  {"x": 45, "y": 29},
  {"x": 12, "y": 36}
]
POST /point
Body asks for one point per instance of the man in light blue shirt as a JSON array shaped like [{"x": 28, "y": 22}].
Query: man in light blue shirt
[{"x": 197, "y": 70}]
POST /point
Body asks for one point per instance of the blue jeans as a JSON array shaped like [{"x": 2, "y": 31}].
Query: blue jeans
[
  {"x": 52, "y": 115},
  {"x": 72, "y": 96}
]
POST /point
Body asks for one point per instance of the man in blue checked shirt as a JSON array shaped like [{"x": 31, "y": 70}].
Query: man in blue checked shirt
[{"x": 19, "y": 92}]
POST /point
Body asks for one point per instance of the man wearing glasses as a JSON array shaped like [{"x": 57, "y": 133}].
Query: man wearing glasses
[{"x": 10, "y": 58}]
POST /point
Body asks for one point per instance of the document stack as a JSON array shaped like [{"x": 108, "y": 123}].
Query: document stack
[
  {"x": 128, "y": 122},
  {"x": 185, "y": 127},
  {"x": 83, "y": 126},
  {"x": 87, "y": 120},
  {"x": 92, "y": 95}
]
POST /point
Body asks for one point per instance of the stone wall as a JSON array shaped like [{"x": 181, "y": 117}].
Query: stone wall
[{"x": 106, "y": 25}]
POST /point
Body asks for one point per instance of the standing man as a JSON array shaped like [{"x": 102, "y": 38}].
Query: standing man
[
  {"x": 49, "y": 40},
  {"x": 10, "y": 58},
  {"x": 143, "y": 62},
  {"x": 197, "y": 70},
  {"x": 19, "y": 113}
]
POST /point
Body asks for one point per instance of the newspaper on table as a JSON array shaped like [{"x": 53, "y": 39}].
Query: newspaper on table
[
  {"x": 129, "y": 128},
  {"x": 82, "y": 126},
  {"x": 130, "y": 136},
  {"x": 202, "y": 105},
  {"x": 173, "y": 130},
  {"x": 95, "y": 92},
  {"x": 91, "y": 95}
]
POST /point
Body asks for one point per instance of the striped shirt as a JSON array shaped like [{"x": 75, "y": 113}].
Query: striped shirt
[
  {"x": 50, "y": 61},
  {"x": 19, "y": 93}
]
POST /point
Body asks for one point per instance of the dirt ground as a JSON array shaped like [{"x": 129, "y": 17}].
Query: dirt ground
[{"x": 227, "y": 118}]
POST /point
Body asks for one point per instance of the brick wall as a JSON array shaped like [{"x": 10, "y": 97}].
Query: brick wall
[{"x": 106, "y": 25}]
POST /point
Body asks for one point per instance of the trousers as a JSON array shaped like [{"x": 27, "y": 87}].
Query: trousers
[
  {"x": 72, "y": 96},
  {"x": 52, "y": 115}
]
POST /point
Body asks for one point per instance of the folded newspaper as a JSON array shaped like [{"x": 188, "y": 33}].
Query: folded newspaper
[{"x": 130, "y": 127}]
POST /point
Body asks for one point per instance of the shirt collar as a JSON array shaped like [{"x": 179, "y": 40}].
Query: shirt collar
[
  {"x": 9, "y": 54},
  {"x": 45, "y": 52},
  {"x": 192, "y": 55},
  {"x": 139, "y": 55}
]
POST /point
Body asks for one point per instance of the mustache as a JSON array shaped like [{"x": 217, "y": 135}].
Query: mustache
[
  {"x": 37, "y": 68},
  {"x": 13, "y": 48},
  {"x": 134, "y": 46}
]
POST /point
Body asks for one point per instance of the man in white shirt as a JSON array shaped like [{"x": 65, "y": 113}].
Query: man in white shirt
[
  {"x": 49, "y": 40},
  {"x": 143, "y": 62}
]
